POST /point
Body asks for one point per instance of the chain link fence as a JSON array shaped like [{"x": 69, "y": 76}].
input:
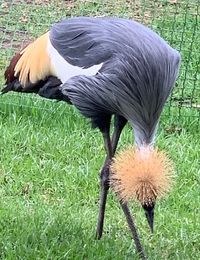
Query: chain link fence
[{"x": 177, "y": 21}]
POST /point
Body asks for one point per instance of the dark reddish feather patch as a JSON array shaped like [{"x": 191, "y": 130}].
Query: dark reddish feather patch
[{"x": 9, "y": 73}]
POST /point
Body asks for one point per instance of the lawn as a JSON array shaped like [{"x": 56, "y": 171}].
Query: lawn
[{"x": 50, "y": 157}]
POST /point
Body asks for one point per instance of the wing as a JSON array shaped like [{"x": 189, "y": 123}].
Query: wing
[{"x": 81, "y": 41}]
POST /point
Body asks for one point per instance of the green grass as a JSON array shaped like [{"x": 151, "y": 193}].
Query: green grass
[
  {"x": 49, "y": 191},
  {"x": 50, "y": 157}
]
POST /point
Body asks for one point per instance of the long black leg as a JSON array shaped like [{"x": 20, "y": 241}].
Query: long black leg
[
  {"x": 133, "y": 229},
  {"x": 104, "y": 182},
  {"x": 119, "y": 124}
]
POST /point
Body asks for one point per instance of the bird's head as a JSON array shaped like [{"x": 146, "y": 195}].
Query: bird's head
[{"x": 143, "y": 174}]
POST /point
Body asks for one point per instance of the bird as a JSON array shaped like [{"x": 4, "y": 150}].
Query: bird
[{"x": 108, "y": 67}]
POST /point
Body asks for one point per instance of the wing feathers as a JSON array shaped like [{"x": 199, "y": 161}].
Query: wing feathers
[{"x": 34, "y": 64}]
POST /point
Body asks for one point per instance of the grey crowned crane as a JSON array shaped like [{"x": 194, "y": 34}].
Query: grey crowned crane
[{"x": 108, "y": 67}]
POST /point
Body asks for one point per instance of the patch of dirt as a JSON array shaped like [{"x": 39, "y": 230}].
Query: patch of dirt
[
  {"x": 70, "y": 4},
  {"x": 7, "y": 4},
  {"x": 173, "y": 129},
  {"x": 145, "y": 12},
  {"x": 15, "y": 40},
  {"x": 186, "y": 102}
]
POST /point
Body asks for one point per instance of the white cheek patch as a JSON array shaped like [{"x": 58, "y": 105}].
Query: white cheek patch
[{"x": 64, "y": 70}]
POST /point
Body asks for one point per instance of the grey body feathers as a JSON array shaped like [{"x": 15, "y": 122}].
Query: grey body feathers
[{"x": 138, "y": 73}]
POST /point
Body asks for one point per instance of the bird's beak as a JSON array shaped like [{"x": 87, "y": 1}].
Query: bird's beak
[
  {"x": 150, "y": 218},
  {"x": 4, "y": 90},
  {"x": 149, "y": 213}
]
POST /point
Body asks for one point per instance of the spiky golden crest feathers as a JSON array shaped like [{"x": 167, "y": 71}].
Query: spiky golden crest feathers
[
  {"x": 143, "y": 174},
  {"x": 34, "y": 64}
]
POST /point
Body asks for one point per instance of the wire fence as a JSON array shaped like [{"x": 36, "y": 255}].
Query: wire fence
[{"x": 175, "y": 20}]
